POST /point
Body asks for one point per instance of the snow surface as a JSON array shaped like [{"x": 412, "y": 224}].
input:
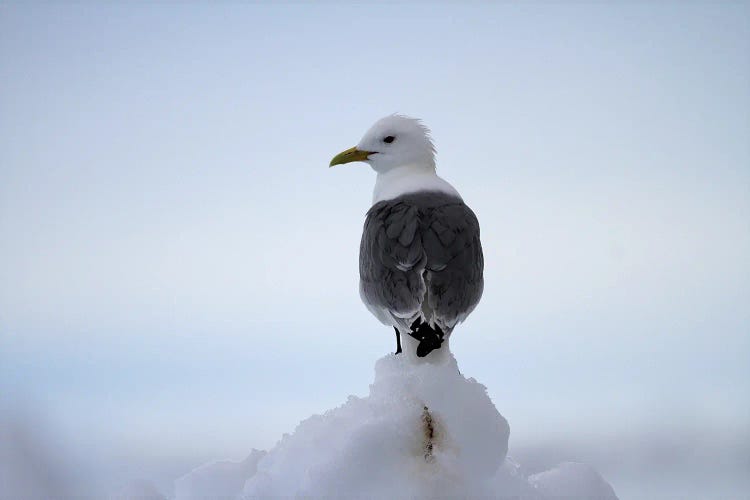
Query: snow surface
[
  {"x": 424, "y": 430},
  {"x": 569, "y": 480},
  {"x": 221, "y": 479}
]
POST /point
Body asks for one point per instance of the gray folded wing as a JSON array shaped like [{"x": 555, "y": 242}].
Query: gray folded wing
[{"x": 421, "y": 256}]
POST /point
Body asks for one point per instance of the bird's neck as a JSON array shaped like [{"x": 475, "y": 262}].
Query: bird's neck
[{"x": 409, "y": 179}]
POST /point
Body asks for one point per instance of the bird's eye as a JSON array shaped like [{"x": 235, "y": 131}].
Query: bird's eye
[{"x": 389, "y": 139}]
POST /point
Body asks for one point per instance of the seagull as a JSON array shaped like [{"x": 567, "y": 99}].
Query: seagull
[{"x": 420, "y": 258}]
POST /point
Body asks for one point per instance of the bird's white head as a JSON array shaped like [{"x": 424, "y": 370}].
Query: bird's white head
[{"x": 392, "y": 142}]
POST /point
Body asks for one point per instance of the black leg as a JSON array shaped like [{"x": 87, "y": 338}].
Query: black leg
[{"x": 398, "y": 341}]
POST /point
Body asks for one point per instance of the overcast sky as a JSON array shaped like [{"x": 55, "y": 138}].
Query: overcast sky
[{"x": 177, "y": 259}]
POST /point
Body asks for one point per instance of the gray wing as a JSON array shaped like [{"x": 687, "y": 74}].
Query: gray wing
[
  {"x": 424, "y": 262},
  {"x": 455, "y": 264},
  {"x": 391, "y": 259}
]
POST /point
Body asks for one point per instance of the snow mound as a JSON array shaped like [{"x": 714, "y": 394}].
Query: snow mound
[
  {"x": 141, "y": 489},
  {"x": 424, "y": 430},
  {"x": 221, "y": 479},
  {"x": 569, "y": 479}
]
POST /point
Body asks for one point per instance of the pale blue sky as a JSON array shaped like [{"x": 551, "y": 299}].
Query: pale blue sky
[{"x": 176, "y": 258}]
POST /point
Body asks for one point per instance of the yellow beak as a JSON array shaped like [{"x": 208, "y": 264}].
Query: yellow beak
[{"x": 350, "y": 155}]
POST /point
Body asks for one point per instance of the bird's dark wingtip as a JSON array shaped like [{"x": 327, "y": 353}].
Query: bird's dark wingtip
[{"x": 429, "y": 338}]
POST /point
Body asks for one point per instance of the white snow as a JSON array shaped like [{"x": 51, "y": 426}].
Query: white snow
[
  {"x": 221, "y": 479},
  {"x": 140, "y": 489},
  {"x": 424, "y": 430},
  {"x": 569, "y": 480}
]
